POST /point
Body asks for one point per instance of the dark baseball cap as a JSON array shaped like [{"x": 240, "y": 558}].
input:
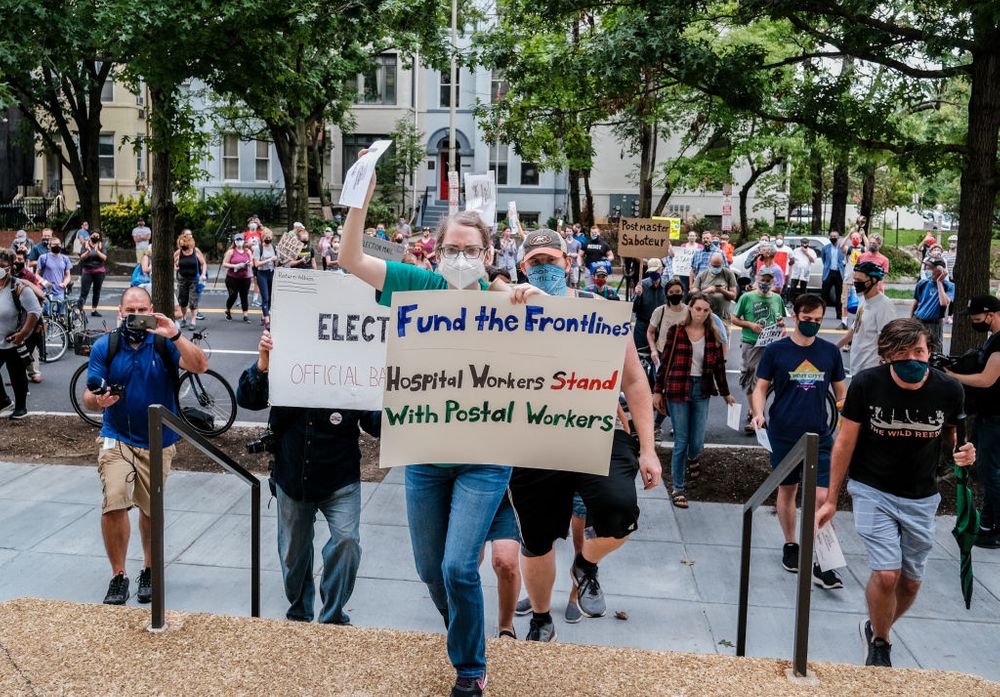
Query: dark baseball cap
[
  {"x": 936, "y": 261},
  {"x": 980, "y": 304},
  {"x": 870, "y": 269},
  {"x": 544, "y": 241},
  {"x": 600, "y": 271}
]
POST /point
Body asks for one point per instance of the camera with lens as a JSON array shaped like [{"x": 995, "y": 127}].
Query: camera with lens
[
  {"x": 941, "y": 361},
  {"x": 267, "y": 442},
  {"x": 102, "y": 387},
  {"x": 966, "y": 364}
]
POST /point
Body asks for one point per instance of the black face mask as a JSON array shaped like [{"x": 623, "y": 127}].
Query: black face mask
[
  {"x": 133, "y": 336},
  {"x": 55, "y": 249},
  {"x": 862, "y": 287},
  {"x": 981, "y": 326},
  {"x": 18, "y": 266},
  {"x": 674, "y": 298}
]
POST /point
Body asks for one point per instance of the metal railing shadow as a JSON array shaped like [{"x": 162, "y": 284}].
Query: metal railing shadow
[
  {"x": 806, "y": 451},
  {"x": 160, "y": 416}
]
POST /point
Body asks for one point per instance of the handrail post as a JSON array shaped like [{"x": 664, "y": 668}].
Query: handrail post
[
  {"x": 806, "y": 538},
  {"x": 744, "y": 602},
  {"x": 255, "y": 549},
  {"x": 155, "y": 423}
]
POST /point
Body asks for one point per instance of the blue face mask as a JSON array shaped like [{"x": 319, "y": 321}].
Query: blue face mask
[
  {"x": 716, "y": 270},
  {"x": 910, "y": 371},
  {"x": 549, "y": 278}
]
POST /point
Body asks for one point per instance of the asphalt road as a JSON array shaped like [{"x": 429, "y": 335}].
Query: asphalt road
[{"x": 233, "y": 347}]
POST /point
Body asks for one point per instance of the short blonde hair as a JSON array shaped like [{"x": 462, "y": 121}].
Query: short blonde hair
[{"x": 185, "y": 235}]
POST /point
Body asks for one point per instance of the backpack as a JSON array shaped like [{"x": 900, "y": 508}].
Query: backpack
[{"x": 159, "y": 345}]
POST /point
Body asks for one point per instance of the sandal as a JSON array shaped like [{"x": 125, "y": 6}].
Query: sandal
[
  {"x": 679, "y": 500},
  {"x": 694, "y": 469},
  {"x": 507, "y": 633}
]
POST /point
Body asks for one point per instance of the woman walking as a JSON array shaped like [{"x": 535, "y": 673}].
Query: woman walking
[
  {"x": 92, "y": 271},
  {"x": 238, "y": 276},
  {"x": 450, "y": 507},
  {"x": 692, "y": 369},
  {"x": 263, "y": 260},
  {"x": 189, "y": 263}
]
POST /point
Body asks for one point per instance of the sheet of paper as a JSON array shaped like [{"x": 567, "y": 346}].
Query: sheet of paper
[
  {"x": 828, "y": 552},
  {"x": 359, "y": 176},
  {"x": 762, "y": 438},
  {"x": 771, "y": 333},
  {"x": 481, "y": 196},
  {"x": 733, "y": 415}
]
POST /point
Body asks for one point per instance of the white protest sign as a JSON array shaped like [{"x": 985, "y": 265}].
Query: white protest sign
[
  {"x": 512, "y": 219},
  {"x": 290, "y": 245},
  {"x": 472, "y": 378},
  {"x": 481, "y": 196},
  {"x": 771, "y": 333},
  {"x": 383, "y": 249},
  {"x": 733, "y": 414},
  {"x": 829, "y": 555},
  {"x": 359, "y": 176},
  {"x": 452, "y": 193},
  {"x": 682, "y": 261},
  {"x": 329, "y": 341}
]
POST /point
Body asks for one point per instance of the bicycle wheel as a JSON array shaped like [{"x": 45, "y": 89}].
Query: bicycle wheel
[
  {"x": 77, "y": 386},
  {"x": 56, "y": 340},
  {"x": 206, "y": 395}
]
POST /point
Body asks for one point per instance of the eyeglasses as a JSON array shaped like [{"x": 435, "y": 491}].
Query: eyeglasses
[{"x": 452, "y": 252}]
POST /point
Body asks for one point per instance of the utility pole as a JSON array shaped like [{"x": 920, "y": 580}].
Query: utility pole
[{"x": 452, "y": 164}]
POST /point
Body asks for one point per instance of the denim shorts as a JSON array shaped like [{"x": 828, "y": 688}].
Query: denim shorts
[
  {"x": 898, "y": 532},
  {"x": 579, "y": 507},
  {"x": 504, "y": 526},
  {"x": 780, "y": 448}
]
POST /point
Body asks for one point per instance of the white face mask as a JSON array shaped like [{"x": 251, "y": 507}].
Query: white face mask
[
  {"x": 461, "y": 272},
  {"x": 3, "y": 273}
]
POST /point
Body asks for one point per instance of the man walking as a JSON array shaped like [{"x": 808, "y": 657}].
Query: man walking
[
  {"x": 802, "y": 368},
  {"x": 834, "y": 263},
  {"x": 895, "y": 421},
  {"x": 873, "y": 315},
  {"x": 718, "y": 283},
  {"x": 756, "y": 309}
]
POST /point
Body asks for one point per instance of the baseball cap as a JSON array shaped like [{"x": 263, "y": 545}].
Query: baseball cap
[
  {"x": 936, "y": 261},
  {"x": 870, "y": 269},
  {"x": 296, "y": 226},
  {"x": 238, "y": 238},
  {"x": 600, "y": 271},
  {"x": 953, "y": 238},
  {"x": 544, "y": 241},
  {"x": 979, "y": 304},
  {"x": 654, "y": 264}
]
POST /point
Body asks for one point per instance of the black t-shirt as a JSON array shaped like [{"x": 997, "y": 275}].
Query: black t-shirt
[
  {"x": 595, "y": 250},
  {"x": 900, "y": 439},
  {"x": 984, "y": 401}
]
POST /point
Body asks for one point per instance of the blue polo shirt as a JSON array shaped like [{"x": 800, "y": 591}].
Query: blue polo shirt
[{"x": 147, "y": 381}]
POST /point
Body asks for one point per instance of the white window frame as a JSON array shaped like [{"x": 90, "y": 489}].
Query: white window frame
[
  {"x": 227, "y": 159},
  {"x": 498, "y": 87},
  {"x": 140, "y": 156},
  {"x": 444, "y": 80},
  {"x": 381, "y": 72},
  {"x": 538, "y": 173},
  {"x": 109, "y": 84},
  {"x": 500, "y": 155},
  {"x": 114, "y": 165},
  {"x": 266, "y": 159}
]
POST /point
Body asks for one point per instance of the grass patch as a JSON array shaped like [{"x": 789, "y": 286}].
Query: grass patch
[
  {"x": 899, "y": 294},
  {"x": 900, "y": 263}
]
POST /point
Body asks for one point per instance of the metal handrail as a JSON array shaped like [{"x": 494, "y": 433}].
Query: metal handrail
[
  {"x": 806, "y": 451},
  {"x": 158, "y": 417}
]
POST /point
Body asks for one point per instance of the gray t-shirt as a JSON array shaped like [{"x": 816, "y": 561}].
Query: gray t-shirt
[
  {"x": 873, "y": 314},
  {"x": 572, "y": 251},
  {"x": 141, "y": 237},
  {"x": 8, "y": 310}
]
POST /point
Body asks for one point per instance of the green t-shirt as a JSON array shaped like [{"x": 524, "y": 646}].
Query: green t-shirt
[
  {"x": 761, "y": 309},
  {"x": 401, "y": 277}
]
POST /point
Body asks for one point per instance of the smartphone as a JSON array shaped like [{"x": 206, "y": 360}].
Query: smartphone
[{"x": 140, "y": 322}]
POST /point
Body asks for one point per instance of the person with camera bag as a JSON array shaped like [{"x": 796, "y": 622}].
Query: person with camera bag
[
  {"x": 130, "y": 369},
  {"x": 981, "y": 381},
  {"x": 19, "y": 312},
  {"x": 316, "y": 466}
]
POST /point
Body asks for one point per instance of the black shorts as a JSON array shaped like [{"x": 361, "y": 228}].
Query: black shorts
[{"x": 543, "y": 499}]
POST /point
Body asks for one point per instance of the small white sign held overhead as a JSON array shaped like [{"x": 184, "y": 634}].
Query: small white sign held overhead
[
  {"x": 481, "y": 196},
  {"x": 383, "y": 249},
  {"x": 359, "y": 176}
]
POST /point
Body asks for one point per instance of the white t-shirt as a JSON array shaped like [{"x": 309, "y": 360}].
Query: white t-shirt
[
  {"x": 799, "y": 271},
  {"x": 873, "y": 314},
  {"x": 697, "y": 357}
]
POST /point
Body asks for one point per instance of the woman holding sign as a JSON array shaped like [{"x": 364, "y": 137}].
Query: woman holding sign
[{"x": 450, "y": 507}]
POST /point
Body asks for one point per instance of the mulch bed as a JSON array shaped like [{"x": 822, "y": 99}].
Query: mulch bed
[{"x": 728, "y": 475}]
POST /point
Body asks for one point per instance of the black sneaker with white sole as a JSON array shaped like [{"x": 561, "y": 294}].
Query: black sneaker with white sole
[
  {"x": 523, "y": 607},
  {"x": 790, "y": 557},
  {"x": 117, "y": 591},
  {"x": 541, "y": 630},
  {"x": 469, "y": 687},
  {"x": 879, "y": 655},
  {"x": 827, "y": 580},
  {"x": 19, "y": 414},
  {"x": 867, "y": 634},
  {"x": 144, "y": 592}
]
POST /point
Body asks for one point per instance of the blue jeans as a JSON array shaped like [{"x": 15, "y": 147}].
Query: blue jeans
[
  {"x": 264, "y": 280},
  {"x": 986, "y": 438},
  {"x": 341, "y": 553},
  {"x": 450, "y": 510},
  {"x": 689, "y": 420}
]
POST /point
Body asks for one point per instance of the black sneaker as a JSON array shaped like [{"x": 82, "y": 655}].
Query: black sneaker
[
  {"x": 19, "y": 414},
  {"x": 117, "y": 591},
  {"x": 144, "y": 592},
  {"x": 590, "y": 597},
  {"x": 5, "y": 405},
  {"x": 469, "y": 687},
  {"x": 878, "y": 653},
  {"x": 229, "y": 316},
  {"x": 988, "y": 539},
  {"x": 95, "y": 313},
  {"x": 523, "y": 607},
  {"x": 827, "y": 580},
  {"x": 865, "y": 630},
  {"x": 790, "y": 557},
  {"x": 541, "y": 630}
]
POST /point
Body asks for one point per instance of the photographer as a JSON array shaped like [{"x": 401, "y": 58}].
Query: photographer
[
  {"x": 19, "y": 311},
  {"x": 982, "y": 400},
  {"x": 129, "y": 370},
  {"x": 316, "y": 467}
]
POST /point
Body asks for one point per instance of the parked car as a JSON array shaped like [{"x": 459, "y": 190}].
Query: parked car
[{"x": 745, "y": 254}]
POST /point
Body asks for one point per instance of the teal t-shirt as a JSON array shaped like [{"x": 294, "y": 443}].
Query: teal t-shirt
[{"x": 401, "y": 277}]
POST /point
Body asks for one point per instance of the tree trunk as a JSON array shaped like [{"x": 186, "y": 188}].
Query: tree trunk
[
  {"x": 664, "y": 199},
  {"x": 838, "y": 195},
  {"x": 868, "y": 193},
  {"x": 290, "y": 142},
  {"x": 587, "y": 214},
  {"x": 574, "y": 196},
  {"x": 817, "y": 194},
  {"x": 162, "y": 208},
  {"x": 979, "y": 186}
]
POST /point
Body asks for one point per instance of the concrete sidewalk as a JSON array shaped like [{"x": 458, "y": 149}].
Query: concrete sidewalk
[{"x": 677, "y": 579}]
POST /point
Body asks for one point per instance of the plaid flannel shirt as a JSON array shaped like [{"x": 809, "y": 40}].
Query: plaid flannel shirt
[{"x": 673, "y": 380}]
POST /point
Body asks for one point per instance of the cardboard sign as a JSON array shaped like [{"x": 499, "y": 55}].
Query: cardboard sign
[
  {"x": 481, "y": 196},
  {"x": 359, "y": 176},
  {"x": 472, "y": 378},
  {"x": 682, "y": 261},
  {"x": 329, "y": 341},
  {"x": 642, "y": 238},
  {"x": 383, "y": 249},
  {"x": 771, "y": 333},
  {"x": 290, "y": 245}
]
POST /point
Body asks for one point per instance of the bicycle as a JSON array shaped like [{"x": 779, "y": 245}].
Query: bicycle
[
  {"x": 206, "y": 400},
  {"x": 62, "y": 321}
]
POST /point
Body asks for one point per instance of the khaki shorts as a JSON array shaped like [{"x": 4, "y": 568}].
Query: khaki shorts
[
  {"x": 122, "y": 488},
  {"x": 139, "y": 254}
]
